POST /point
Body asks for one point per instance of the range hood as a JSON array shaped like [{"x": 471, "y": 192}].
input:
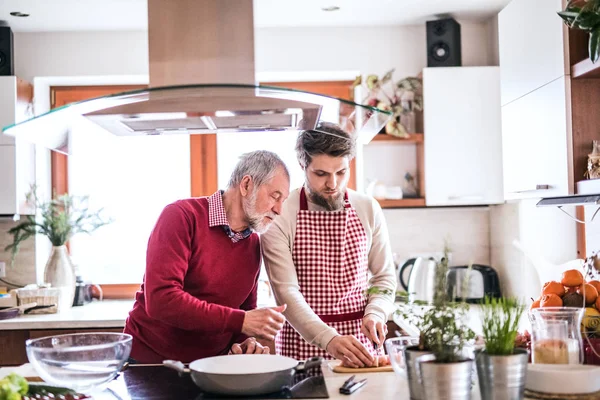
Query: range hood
[
  {"x": 194, "y": 46},
  {"x": 588, "y": 194},
  {"x": 199, "y": 109},
  {"x": 573, "y": 200}
]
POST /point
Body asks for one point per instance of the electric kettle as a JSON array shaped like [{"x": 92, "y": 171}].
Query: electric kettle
[{"x": 421, "y": 280}]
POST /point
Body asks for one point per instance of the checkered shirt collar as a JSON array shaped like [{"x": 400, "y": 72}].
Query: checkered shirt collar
[{"x": 218, "y": 217}]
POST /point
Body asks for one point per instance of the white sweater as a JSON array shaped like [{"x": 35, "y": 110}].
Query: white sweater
[{"x": 277, "y": 246}]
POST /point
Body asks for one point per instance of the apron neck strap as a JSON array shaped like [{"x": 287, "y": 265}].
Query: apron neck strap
[{"x": 304, "y": 202}]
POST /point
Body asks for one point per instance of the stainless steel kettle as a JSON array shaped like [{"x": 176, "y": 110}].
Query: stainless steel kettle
[{"x": 421, "y": 279}]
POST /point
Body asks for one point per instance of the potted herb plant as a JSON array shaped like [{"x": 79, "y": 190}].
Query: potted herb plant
[
  {"x": 439, "y": 366},
  {"x": 501, "y": 367},
  {"x": 58, "y": 219},
  {"x": 585, "y": 15}
]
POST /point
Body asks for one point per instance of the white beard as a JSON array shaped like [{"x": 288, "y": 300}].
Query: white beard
[{"x": 256, "y": 221}]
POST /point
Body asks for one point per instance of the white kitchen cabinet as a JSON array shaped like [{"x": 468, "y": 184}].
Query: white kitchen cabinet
[
  {"x": 535, "y": 143},
  {"x": 531, "y": 40},
  {"x": 17, "y": 157},
  {"x": 463, "y": 136}
]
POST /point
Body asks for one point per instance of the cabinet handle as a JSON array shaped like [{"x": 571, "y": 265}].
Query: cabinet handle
[
  {"x": 537, "y": 187},
  {"x": 467, "y": 197}
]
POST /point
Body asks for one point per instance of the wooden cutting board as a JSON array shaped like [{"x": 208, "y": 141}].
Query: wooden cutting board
[{"x": 336, "y": 366}]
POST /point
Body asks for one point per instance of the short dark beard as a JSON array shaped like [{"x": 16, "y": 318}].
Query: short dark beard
[{"x": 330, "y": 204}]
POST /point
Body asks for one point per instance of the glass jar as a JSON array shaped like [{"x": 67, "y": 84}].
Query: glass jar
[{"x": 556, "y": 335}]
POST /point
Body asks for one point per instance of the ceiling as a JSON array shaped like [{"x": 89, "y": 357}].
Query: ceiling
[{"x": 118, "y": 15}]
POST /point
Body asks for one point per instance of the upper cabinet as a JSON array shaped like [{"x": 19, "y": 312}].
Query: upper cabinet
[
  {"x": 531, "y": 45},
  {"x": 463, "y": 137},
  {"x": 17, "y": 158},
  {"x": 549, "y": 118},
  {"x": 535, "y": 130}
]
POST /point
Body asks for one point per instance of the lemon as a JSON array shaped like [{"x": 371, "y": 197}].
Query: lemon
[{"x": 591, "y": 320}]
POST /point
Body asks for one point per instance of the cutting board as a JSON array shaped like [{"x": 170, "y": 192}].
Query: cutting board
[{"x": 336, "y": 366}]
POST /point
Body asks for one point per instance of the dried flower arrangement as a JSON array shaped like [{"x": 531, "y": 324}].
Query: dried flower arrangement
[{"x": 401, "y": 98}]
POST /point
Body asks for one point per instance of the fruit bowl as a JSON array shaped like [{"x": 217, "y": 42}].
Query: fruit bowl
[{"x": 80, "y": 361}]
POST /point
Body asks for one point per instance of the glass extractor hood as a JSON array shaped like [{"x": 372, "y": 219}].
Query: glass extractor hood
[{"x": 201, "y": 109}]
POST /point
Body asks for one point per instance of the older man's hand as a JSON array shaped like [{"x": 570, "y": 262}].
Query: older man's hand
[
  {"x": 264, "y": 323},
  {"x": 249, "y": 346}
]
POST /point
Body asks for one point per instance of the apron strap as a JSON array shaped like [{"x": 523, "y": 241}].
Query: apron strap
[
  {"x": 342, "y": 317},
  {"x": 304, "y": 202}
]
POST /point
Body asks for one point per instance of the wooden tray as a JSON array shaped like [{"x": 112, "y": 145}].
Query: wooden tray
[
  {"x": 335, "y": 366},
  {"x": 531, "y": 395}
]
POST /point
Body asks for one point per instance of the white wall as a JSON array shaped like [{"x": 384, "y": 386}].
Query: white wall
[
  {"x": 367, "y": 49},
  {"x": 546, "y": 235},
  {"x": 80, "y": 53}
]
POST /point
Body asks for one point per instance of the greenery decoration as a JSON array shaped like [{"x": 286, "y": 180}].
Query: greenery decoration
[
  {"x": 59, "y": 219},
  {"x": 585, "y": 15},
  {"x": 441, "y": 324},
  {"x": 500, "y": 320}
]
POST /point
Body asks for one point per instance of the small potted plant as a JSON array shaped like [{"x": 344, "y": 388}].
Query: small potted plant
[
  {"x": 501, "y": 367},
  {"x": 58, "y": 219},
  {"x": 585, "y": 15},
  {"x": 440, "y": 363}
]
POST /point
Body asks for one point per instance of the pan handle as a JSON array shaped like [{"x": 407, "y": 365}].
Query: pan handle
[
  {"x": 177, "y": 366},
  {"x": 309, "y": 364}
]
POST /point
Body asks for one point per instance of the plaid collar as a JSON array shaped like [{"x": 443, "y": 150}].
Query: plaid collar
[{"x": 218, "y": 217}]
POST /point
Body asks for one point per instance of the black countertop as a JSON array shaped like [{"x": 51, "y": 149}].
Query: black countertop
[{"x": 158, "y": 382}]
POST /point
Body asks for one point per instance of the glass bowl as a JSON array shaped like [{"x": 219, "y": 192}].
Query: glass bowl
[
  {"x": 80, "y": 361},
  {"x": 395, "y": 349}
]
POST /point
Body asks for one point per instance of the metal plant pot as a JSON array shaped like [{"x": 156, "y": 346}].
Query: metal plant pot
[
  {"x": 445, "y": 381},
  {"x": 414, "y": 386},
  {"x": 502, "y": 377}
]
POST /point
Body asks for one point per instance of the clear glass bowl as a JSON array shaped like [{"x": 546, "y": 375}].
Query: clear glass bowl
[
  {"x": 395, "y": 349},
  {"x": 81, "y": 361}
]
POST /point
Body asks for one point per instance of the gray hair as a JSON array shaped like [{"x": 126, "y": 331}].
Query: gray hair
[
  {"x": 260, "y": 165},
  {"x": 327, "y": 138}
]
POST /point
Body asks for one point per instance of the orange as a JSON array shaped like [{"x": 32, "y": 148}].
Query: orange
[
  {"x": 589, "y": 292},
  {"x": 551, "y": 300},
  {"x": 554, "y": 287},
  {"x": 595, "y": 284},
  {"x": 572, "y": 289},
  {"x": 572, "y": 278},
  {"x": 535, "y": 304}
]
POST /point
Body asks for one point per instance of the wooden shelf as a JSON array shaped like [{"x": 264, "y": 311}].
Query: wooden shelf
[
  {"x": 585, "y": 70},
  {"x": 414, "y": 138},
  {"x": 402, "y": 203}
]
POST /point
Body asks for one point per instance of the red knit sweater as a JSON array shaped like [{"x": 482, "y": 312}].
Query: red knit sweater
[{"x": 197, "y": 281}]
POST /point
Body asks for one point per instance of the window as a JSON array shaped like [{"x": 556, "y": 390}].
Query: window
[{"x": 133, "y": 179}]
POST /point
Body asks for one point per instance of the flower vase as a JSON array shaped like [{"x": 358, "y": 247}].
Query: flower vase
[{"x": 60, "y": 273}]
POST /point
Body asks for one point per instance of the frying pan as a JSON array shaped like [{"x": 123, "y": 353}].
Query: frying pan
[
  {"x": 243, "y": 374},
  {"x": 12, "y": 312}
]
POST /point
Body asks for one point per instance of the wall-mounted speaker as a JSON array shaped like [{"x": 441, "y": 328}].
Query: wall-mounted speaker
[
  {"x": 7, "y": 63},
  {"x": 443, "y": 43}
]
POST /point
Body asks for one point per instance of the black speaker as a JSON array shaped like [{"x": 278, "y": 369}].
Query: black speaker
[
  {"x": 7, "y": 60},
  {"x": 443, "y": 43}
]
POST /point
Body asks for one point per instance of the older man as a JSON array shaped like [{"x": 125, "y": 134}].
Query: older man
[
  {"x": 198, "y": 298},
  {"x": 320, "y": 252}
]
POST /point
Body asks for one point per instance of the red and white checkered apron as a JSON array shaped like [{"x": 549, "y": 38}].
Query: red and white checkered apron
[{"x": 331, "y": 259}]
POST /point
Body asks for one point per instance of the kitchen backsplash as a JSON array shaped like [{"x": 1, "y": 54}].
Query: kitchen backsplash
[
  {"x": 419, "y": 231},
  {"x": 23, "y": 271}
]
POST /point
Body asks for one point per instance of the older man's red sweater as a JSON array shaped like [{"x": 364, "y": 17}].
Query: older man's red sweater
[{"x": 196, "y": 285}]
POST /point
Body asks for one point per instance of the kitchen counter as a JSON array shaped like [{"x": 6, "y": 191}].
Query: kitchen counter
[
  {"x": 380, "y": 385},
  {"x": 97, "y": 314}
]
